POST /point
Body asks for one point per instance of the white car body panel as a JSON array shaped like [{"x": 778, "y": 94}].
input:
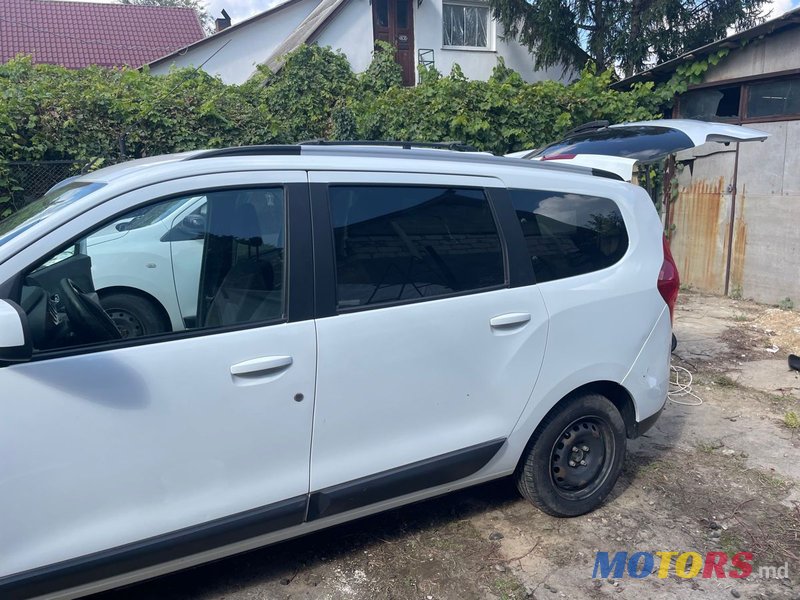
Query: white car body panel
[
  {"x": 11, "y": 332},
  {"x": 130, "y": 458},
  {"x": 619, "y": 165},
  {"x": 384, "y": 387}
]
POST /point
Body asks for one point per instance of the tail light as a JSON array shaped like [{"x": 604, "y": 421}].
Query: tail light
[{"x": 668, "y": 279}]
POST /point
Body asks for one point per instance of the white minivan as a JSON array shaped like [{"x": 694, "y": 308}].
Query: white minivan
[{"x": 358, "y": 328}]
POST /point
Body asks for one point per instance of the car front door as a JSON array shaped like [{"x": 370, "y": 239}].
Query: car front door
[
  {"x": 433, "y": 337},
  {"x": 121, "y": 454}
]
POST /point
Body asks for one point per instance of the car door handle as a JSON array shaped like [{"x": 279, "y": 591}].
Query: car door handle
[
  {"x": 510, "y": 320},
  {"x": 262, "y": 365}
]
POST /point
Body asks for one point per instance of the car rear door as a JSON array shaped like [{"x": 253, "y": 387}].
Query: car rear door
[{"x": 430, "y": 334}]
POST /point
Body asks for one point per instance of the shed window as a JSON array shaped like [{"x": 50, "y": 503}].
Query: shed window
[
  {"x": 465, "y": 25},
  {"x": 774, "y": 98},
  {"x": 711, "y": 104}
]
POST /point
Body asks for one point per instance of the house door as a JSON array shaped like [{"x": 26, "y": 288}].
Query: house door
[{"x": 393, "y": 22}]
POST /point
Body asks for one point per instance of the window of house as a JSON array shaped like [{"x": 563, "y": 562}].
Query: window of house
[
  {"x": 569, "y": 234},
  {"x": 407, "y": 243},
  {"x": 465, "y": 25},
  {"x": 773, "y": 98},
  {"x": 711, "y": 104},
  {"x": 401, "y": 10},
  {"x": 382, "y": 13}
]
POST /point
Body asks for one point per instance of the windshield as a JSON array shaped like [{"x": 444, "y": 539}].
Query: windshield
[{"x": 40, "y": 209}]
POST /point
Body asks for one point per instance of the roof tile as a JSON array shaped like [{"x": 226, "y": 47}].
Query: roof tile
[{"x": 79, "y": 34}]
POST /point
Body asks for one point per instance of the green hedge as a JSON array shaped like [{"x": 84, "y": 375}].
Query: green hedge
[{"x": 48, "y": 112}]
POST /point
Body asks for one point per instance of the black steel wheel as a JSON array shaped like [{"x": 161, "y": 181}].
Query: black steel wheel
[
  {"x": 133, "y": 315},
  {"x": 582, "y": 457},
  {"x": 574, "y": 457}
]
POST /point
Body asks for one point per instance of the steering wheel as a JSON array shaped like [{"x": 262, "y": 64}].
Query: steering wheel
[{"x": 87, "y": 318}]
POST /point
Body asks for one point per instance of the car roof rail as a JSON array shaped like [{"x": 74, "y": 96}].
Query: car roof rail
[
  {"x": 386, "y": 149},
  {"x": 454, "y": 145},
  {"x": 265, "y": 150}
]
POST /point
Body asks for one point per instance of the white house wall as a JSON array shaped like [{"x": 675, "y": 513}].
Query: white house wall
[
  {"x": 476, "y": 64},
  {"x": 247, "y": 45},
  {"x": 351, "y": 32}
]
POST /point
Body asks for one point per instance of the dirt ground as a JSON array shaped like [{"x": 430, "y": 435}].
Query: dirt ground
[{"x": 720, "y": 476}]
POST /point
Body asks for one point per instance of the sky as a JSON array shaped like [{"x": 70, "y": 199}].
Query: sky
[
  {"x": 778, "y": 7},
  {"x": 239, "y": 10}
]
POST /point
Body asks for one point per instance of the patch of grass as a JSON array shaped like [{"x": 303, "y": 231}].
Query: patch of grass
[
  {"x": 768, "y": 480},
  {"x": 778, "y": 398},
  {"x": 741, "y": 318},
  {"x": 654, "y": 466},
  {"x": 724, "y": 381},
  {"x": 730, "y": 543},
  {"x": 508, "y": 587},
  {"x": 736, "y": 293},
  {"x": 791, "y": 420},
  {"x": 786, "y": 304},
  {"x": 709, "y": 447},
  {"x": 686, "y": 287}
]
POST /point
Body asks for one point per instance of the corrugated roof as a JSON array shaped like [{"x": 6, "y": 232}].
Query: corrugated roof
[
  {"x": 663, "y": 71},
  {"x": 79, "y": 34}
]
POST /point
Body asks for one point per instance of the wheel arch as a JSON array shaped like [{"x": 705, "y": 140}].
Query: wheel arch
[
  {"x": 132, "y": 291},
  {"x": 619, "y": 396},
  {"x": 615, "y": 392}
]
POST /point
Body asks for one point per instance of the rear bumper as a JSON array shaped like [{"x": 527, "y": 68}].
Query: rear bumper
[
  {"x": 648, "y": 379},
  {"x": 643, "y": 426}
]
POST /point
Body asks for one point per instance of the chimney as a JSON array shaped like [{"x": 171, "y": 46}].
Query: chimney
[{"x": 223, "y": 23}]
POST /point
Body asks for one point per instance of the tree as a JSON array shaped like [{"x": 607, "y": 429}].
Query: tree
[
  {"x": 623, "y": 34},
  {"x": 199, "y": 7}
]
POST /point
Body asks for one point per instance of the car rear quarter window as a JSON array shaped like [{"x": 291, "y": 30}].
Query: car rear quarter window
[
  {"x": 409, "y": 243},
  {"x": 569, "y": 234}
]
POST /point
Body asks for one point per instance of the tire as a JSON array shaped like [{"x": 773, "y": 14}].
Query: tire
[
  {"x": 133, "y": 315},
  {"x": 556, "y": 481}
]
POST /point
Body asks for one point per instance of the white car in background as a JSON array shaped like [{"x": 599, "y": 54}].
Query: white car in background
[
  {"x": 142, "y": 271},
  {"x": 618, "y": 148}
]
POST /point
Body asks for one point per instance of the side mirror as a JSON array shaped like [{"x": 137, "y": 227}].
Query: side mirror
[
  {"x": 15, "y": 338},
  {"x": 124, "y": 225},
  {"x": 194, "y": 225}
]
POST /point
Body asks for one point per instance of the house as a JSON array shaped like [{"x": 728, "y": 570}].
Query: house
[
  {"x": 735, "y": 225},
  {"x": 439, "y": 33},
  {"x": 79, "y": 34}
]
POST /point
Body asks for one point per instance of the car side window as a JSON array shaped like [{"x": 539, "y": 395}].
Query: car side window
[
  {"x": 199, "y": 261},
  {"x": 398, "y": 243},
  {"x": 569, "y": 234}
]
